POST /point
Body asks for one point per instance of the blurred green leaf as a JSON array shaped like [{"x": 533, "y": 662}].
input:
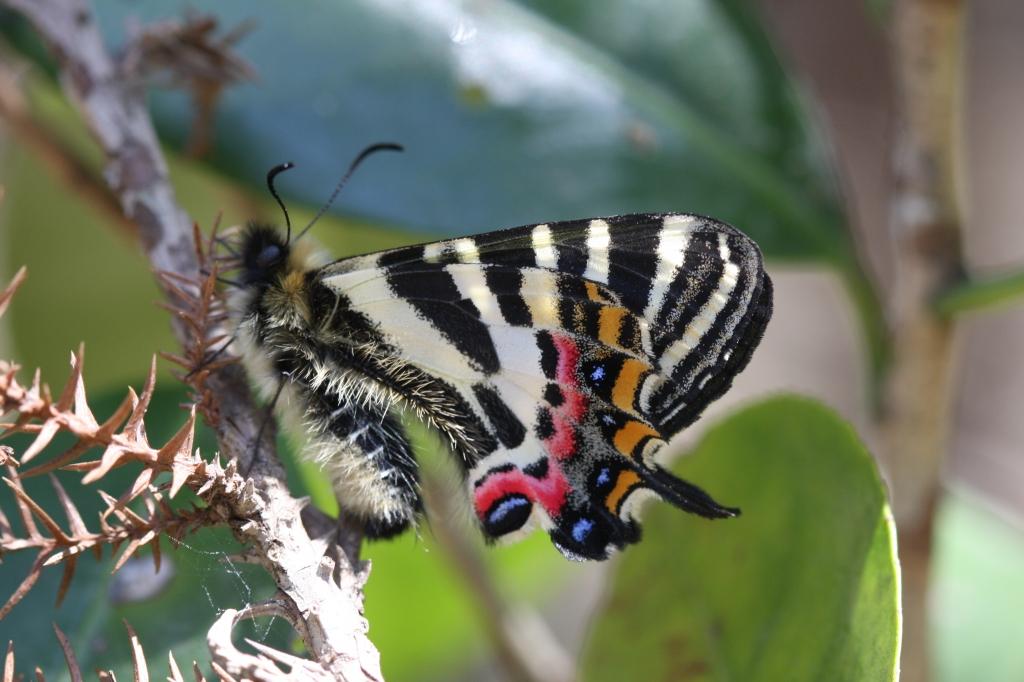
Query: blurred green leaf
[
  {"x": 204, "y": 580},
  {"x": 422, "y": 617},
  {"x": 803, "y": 586},
  {"x": 976, "y": 598},
  {"x": 511, "y": 117},
  {"x": 87, "y": 283}
]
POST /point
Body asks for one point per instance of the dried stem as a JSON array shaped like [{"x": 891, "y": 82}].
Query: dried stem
[
  {"x": 140, "y": 669},
  {"x": 229, "y": 661},
  {"x": 333, "y": 627},
  {"x": 527, "y": 649},
  {"x": 122, "y": 439},
  {"x": 58, "y": 157},
  {"x": 925, "y": 226},
  {"x": 191, "y": 56}
]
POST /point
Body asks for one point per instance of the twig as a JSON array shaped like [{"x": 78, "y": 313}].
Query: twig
[
  {"x": 58, "y": 157},
  {"x": 192, "y": 57},
  {"x": 981, "y": 292},
  {"x": 925, "y": 225},
  {"x": 334, "y": 629},
  {"x": 265, "y": 665},
  {"x": 528, "y": 650},
  {"x": 69, "y": 655}
]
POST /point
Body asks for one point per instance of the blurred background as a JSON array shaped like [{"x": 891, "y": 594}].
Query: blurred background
[{"x": 779, "y": 116}]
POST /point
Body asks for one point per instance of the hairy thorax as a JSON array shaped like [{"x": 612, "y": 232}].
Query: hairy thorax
[{"x": 299, "y": 360}]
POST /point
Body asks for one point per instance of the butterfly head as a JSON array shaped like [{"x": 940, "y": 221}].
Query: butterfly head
[{"x": 264, "y": 254}]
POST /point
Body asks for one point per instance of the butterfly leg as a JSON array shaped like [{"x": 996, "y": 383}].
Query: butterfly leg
[{"x": 263, "y": 427}]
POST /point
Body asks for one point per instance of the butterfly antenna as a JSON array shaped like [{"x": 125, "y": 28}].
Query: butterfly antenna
[
  {"x": 369, "y": 151},
  {"x": 273, "y": 173}
]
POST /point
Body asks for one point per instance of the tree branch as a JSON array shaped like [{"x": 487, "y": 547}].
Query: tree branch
[
  {"x": 925, "y": 229},
  {"x": 329, "y": 602}
]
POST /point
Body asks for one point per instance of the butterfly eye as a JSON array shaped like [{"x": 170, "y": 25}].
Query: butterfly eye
[{"x": 269, "y": 256}]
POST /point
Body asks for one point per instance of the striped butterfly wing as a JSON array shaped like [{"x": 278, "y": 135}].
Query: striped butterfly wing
[{"x": 558, "y": 358}]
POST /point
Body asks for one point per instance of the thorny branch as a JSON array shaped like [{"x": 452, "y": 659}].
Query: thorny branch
[
  {"x": 123, "y": 440},
  {"x": 327, "y": 605},
  {"x": 141, "y": 670}
]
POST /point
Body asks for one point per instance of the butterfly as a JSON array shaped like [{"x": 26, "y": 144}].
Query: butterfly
[{"x": 555, "y": 361}]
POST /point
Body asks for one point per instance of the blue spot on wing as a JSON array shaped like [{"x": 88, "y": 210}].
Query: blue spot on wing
[
  {"x": 581, "y": 529},
  {"x": 597, "y": 374},
  {"x": 503, "y": 508}
]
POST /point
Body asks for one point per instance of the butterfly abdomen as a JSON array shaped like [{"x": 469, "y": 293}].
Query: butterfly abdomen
[{"x": 351, "y": 433}]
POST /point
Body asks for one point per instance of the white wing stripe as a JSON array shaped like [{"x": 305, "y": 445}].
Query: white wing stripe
[
  {"x": 672, "y": 243},
  {"x": 544, "y": 250},
  {"x": 708, "y": 312},
  {"x": 472, "y": 284},
  {"x": 539, "y": 291},
  {"x": 598, "y": 244},
  {"x": 402, "y": 325},
  {"x": 466, "y": 250},
  {"x": 432, "y": 252}
]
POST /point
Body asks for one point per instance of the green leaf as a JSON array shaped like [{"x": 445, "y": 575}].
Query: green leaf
[
  {"x": 976, "y": 600},
  {"x": 422, "y": 615},
  {"x": 511, "y": 117},
  {"x": 803, "y": 586},
  {"x": 87, "y": 283}
]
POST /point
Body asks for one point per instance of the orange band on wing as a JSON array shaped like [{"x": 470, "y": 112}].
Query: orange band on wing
[
  {"x": 593, "y": 293},
  {"x": 626, "y": 481},
  {"x": 631, "y": 435},
  {"x": 609, "y": 325},
  {"x": 627, "y": 384}
]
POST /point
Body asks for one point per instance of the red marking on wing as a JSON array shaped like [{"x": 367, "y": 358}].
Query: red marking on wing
[
  {"x": 562, "y": 444},
  {"x": 549, "y": 491},
  {"x": 568, "y": 358}
]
